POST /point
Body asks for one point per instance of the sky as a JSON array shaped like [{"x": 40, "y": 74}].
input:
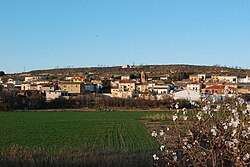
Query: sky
[{"x": 45, "y": 34}]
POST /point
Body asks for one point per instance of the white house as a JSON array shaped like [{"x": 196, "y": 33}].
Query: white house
[
  {"x": 31, "y": 79},
  {"x": 194, "y": 86},
  {"x": 125, "y": 89},
  {"x": 230, "y": 79},
  {"x": 28, "y": 79},
  {"x": 127, "y": 85},
  {"x": 125, "y": 66},
  {"x": 68, "y": 78},
  {"x": 125, "y": 77},
  {"x": 55, "y": 94},
  {"x": 226, "y": 79},
  {"x": 164, "y": 77},
  {"x": 160, "y": 89},
  {"x": 40, "y": 82},
  {"x": 245, "y": 80},
  {"x": 187, "y": 94}
]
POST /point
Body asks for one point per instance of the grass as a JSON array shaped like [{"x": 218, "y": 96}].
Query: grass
[
  {"x": 75, "y": 139},
  {"x": 118, "y": 131}
]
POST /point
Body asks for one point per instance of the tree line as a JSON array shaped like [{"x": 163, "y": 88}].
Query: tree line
[{"x": 34, "y": 100}]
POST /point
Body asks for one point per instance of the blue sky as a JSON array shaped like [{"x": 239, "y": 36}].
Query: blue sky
[{"x": 42, "y": 34}]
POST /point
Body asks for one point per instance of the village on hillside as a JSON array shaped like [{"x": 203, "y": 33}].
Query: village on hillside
[{"x": 213, "y": 87}]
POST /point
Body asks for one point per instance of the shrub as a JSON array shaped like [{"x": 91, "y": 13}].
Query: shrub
[{"x": 216, "y": 135}]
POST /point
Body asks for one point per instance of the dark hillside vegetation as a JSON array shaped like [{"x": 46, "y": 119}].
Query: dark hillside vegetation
[{"x": 179, "y": 71}]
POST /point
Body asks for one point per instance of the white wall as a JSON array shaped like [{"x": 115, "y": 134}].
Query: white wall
[{"x": 187, "y": 94}]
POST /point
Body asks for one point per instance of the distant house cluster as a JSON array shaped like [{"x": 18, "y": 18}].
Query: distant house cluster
[{"x": 131, "y": 86}]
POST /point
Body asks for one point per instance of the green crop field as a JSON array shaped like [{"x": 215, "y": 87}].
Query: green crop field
[{"x": 103, "y": 130}]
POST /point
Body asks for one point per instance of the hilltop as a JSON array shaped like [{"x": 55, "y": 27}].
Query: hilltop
[{"x": 172, "y": 71}]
